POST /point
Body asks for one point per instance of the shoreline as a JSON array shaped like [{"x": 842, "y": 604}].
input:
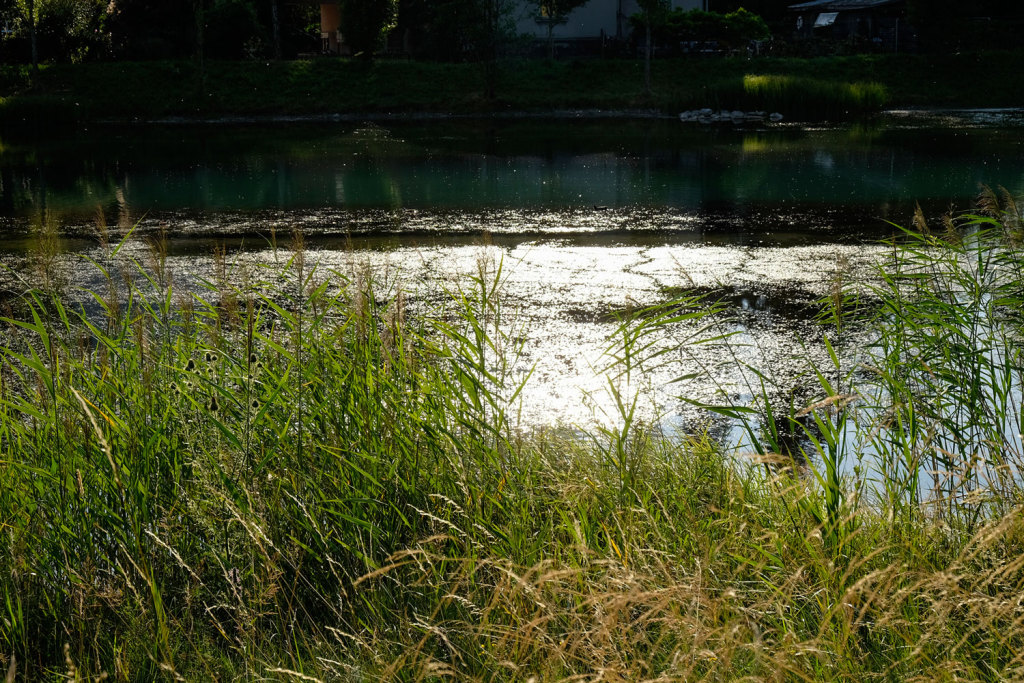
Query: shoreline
[
  {"x": 555, "y": 115},
  {"x": 987, "y": 115}
]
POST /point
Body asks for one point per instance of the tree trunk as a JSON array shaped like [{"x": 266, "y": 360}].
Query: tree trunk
[
  {"x": 200, "y": 12},
  {"x": 647, "y": 54},
  {"x": 32, "y": 36},
  {"x": 275, "y": 22},
  {"x": 491, "y": 48},
  {"x": 551, "y": 38}
]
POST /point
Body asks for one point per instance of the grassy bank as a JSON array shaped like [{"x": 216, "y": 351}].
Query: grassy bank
[
  {"x": 84, "y": 92},
  {"x": 293, "y": 477}
]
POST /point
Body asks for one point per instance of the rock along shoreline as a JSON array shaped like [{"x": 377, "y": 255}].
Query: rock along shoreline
[{"x": 709, "y": 117}]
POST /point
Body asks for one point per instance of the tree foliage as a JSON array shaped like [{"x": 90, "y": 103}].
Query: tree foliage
[
  {"x": 671, "y": 27},
  {"x": 365, "y": 23},
  {"x": 772, "y": 11},
  {"x": 460, "y": 30},
  {"x": 441, "y": 29},
  {"x": 554, "y": 12},
  {"x": 153, "y": 29},
  {"x": 652, "y": 13},
  {"x": 947, "y": 25},
  {"x": 456, "y": 30},
  {"x": 165, "y": 29},
  {"x": 63, "y": 30}
]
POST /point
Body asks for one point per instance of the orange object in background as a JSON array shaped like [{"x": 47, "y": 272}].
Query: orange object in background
[{"x": 330, "y": 23}]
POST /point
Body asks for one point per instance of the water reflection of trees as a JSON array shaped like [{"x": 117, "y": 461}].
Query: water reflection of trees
[{"x": 497, "y": 165}]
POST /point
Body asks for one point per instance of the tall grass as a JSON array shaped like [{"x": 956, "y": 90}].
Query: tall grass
[
  {"x": 799, "y": 97},
  {"x": 237, "y": 461},
  {"x": 301, "y": 476},
  {"x": 946, "y": 386}
]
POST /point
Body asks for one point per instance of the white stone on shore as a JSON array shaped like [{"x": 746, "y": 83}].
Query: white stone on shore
[{"x": 707, "y": 116}]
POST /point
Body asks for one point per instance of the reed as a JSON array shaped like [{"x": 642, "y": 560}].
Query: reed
[
  {"x": 799, "y": 97},
  {"x": 945, "y": 380},
  {"x": 300, "y": 475}
]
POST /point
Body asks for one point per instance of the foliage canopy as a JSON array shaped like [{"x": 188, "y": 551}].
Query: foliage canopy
[
  {"x": 677, "y": 25},
  {"x": 365, "y": 23}
]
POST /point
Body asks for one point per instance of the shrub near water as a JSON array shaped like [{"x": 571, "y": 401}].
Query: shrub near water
[{"x": 293, "y": 479}]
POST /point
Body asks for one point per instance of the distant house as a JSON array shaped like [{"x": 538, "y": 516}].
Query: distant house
[
  {"x": 881, "y": 22},
  {"x": 597, "y": 20}
]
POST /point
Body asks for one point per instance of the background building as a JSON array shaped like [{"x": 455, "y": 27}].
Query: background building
[{"x": 882, "y": 23}]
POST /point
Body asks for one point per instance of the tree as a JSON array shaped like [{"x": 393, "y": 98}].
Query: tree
[
  {"x": 555, "y": 12},
  {"x": 64, "y": 30},
  {"x": 490, "y": 37},
  {"x": 461, "y": 30},
  {"x": 653, "y": 12},
  {"x": 72, "y": 30},
  {"x": 365, "y": 23},
  {"x": 275, "y": 28},
  {"x": 441, "y": 29},
  {"x": 742, "y": 26},
  {"x": 28, "y": 15},
  {"x": 33, "y": 17},
  {"x": 231, "y": 29},
  {"x": 298, "y": 27},
  {"x": 947, "y": 25},
  {"x": 735, "y": 29},
  {"x": 770, "y": 10},
  {"x": 155, "y": 29}
]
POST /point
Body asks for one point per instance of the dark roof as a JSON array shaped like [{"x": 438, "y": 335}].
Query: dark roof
[{"x": 841, "y": 5}]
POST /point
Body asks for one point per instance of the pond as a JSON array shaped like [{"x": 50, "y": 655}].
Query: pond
[{"x": 587, "y": 218}]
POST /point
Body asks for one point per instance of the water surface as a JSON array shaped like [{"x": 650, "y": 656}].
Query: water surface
[{"x": 589, "y": 219}]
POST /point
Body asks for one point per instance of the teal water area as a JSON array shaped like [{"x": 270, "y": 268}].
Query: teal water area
[{"x": 508, "y": 175}]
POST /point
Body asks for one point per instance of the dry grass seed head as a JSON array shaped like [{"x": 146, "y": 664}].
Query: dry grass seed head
[
  {"x": 920, "y": 223},
  {"x": 988, "y": 202}
]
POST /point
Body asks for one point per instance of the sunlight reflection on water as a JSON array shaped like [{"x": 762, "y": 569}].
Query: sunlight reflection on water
[{"x": 566, "y": 296}]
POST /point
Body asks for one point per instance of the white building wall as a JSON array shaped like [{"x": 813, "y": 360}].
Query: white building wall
[{"x": 589, "y": 21}]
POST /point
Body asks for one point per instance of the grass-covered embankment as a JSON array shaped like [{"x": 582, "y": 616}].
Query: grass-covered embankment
[
  {"x": 290, "y": 478},
  {"x": 147, "y": 90}
]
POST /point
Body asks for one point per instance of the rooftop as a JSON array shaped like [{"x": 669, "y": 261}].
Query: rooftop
[{"x": 841, "y": 5}]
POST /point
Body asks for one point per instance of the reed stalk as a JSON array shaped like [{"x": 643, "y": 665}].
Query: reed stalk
[{"x": 322, "y": 481}]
